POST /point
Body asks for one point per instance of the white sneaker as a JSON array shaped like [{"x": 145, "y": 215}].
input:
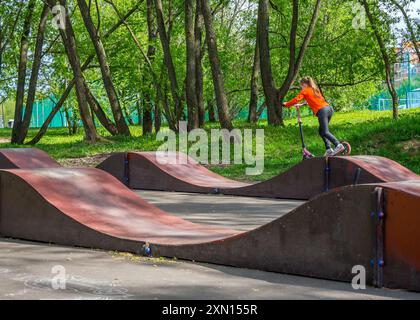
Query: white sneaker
[
  {"x": 338, "y": 149},
  {"x": 329, "y": 152}
]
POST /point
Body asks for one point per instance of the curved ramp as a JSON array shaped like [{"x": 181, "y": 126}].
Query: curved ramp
[
  {"x": 324, "y": 237},
  {"x": 26, "y": 158},
  {"x": 143, "y": 170},
  {"x": 65, "y": 203},
  {"x": 329, "y": 235}
]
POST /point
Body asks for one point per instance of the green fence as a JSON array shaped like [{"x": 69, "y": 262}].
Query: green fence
[
  {"x": 41, "y": 110},
  {"x": 406, "y": 100}
]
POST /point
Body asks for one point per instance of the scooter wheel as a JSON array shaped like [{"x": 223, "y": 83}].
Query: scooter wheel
[
  {"x": 347, "y": 148},
  {"x": 308, "y": 156}
]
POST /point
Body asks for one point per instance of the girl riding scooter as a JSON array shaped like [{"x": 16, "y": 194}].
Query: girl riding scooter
[{"x": 311, "y": 93}]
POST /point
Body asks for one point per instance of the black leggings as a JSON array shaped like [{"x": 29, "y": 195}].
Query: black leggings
[{"x": 324, "y": 116}]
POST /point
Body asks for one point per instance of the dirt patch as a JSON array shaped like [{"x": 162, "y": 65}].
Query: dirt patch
[
  {"x": 4, "y": 140},
  {"x": 412, "y": 147},
  {"x": 92, "y": 161}
]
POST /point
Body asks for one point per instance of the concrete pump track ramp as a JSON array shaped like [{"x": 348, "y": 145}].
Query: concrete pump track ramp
[
  {"x": 373, "y": 225},
  {"x": 26, "y": 158},
  {"x": 142, "y": 170}
]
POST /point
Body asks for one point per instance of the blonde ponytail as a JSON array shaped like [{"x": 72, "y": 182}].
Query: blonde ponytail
[{"x": 311, "y": 83}]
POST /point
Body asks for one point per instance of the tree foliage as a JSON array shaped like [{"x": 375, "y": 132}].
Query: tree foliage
[{"x": 346, "y": 61}]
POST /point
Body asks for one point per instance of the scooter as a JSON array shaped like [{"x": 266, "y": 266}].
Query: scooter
[{"x": 306, "y": 154}]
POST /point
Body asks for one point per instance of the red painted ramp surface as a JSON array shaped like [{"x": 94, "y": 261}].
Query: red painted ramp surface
[
  {"x": 144, "y": 170},
  {"x": 372, "y": 169},
  {"x": 97, "y": 201},
  {"x": 26, "y": 158},
  {"x": 324, "y": 237}
]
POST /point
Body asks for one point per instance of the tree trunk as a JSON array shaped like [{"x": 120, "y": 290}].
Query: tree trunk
[
  {"x": 69, "y": 87},
  {"x": 165, "y": 99},
  {"x": 386, "y": 59},
  {"x": 168, "y": 59},
  {"x": 253, "y": 101},
  {"x": 70, "y": 46},
  {"x": 151, "y": 31},
  {"x": 190, "y": 88},
  {"x": 1, "y": 48},
  {"x": 210, "y": 109},
  {"x": 147, "y": 119},
  {"x": 198, "y": 31},
  {"x": 36, "y": 64},
  {"x": 106, "y": 73},
  {"x": 99, "y": 112},
  {"x": 147, "y": 114},
  {"x": 269, "y": 86},
  {"x": 157, "y": 118},
  {"x": 23, "y": 60},
  {"x": 273, "y": 97},
  {"x": 149, "y": 58},
  {"x": 409, "y": 26},
  {"x": 296, "y": 63},
  {"x": 218, "y": 81},
  {"x": 69, "y": 124},
  {"x": 291, "y": 72},
  {"x": 139, "y": 114},
  {"x": 151, "y": 51}
]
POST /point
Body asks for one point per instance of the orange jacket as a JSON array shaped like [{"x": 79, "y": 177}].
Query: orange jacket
[{"x": 315, "y": 102}]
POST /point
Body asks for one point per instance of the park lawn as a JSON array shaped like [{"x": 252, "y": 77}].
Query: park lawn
[{"x": 369, "y": 132}]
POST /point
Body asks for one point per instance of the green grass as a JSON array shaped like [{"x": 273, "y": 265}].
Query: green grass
[{"x": 370, "y": 133}]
